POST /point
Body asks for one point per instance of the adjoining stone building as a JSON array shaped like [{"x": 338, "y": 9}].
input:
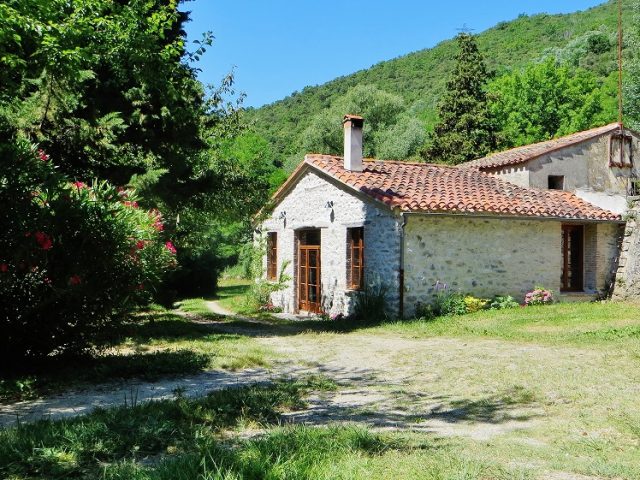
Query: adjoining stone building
[{"x": 485, "y": 228}]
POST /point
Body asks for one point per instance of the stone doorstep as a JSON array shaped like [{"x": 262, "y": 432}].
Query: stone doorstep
[{"x": 577, "y": 297}]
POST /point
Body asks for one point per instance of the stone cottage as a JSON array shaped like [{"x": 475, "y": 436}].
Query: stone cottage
[{"x": 546, "y": 214}]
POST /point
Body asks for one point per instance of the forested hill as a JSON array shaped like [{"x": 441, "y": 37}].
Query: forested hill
[{"x": 580, "y": 40}]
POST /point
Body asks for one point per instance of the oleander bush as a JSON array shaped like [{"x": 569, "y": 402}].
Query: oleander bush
[{"x": 74, "y": 258}]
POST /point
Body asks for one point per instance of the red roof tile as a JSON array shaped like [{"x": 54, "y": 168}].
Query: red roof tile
[
  {"x": 525, "y": 153},
  {"x": 422, "y": 187}
]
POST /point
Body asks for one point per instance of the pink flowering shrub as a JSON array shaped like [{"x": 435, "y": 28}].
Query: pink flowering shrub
[
  {"x": 74, "y": 258},
  {"x": 538, "y": 296}
]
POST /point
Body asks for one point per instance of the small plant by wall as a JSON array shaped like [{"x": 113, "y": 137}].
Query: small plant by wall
[
  {"x": 450, "y": 303},
  {"x": 538, "y": 296},
  {"x": 370, "y": 304}
]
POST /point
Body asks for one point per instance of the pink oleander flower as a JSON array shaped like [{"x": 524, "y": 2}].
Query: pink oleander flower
[
  {"x": 42, "y": 155},
  {"x": 140, "y": 244},
  {"x": 128, "y": 203},
  {"x": 44, "y": 241},
  {"x": 171, "y": 248},
  {"x": 80, "y": 185}
]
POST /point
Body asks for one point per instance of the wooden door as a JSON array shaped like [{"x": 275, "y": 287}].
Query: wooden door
[
  {"x": 572, "y": 258},
  {"x": 309, "y": 278}
]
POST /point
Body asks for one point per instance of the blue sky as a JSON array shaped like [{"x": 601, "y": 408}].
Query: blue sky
[{"x": 280, "y": 46}]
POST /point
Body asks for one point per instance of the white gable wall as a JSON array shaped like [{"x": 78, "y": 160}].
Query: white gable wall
[
  {"x": 305, "y": 206},
  {"x": 586, "y": 171}
]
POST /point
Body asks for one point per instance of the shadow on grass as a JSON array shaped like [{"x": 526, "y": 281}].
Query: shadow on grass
[
  {"x": 413, "y": 411},
  {"x": 168, "y": 327},
  {"x": 30, "y": 380},
  {"x": 275, "y": 327},
  {"x": 55, "y": 374},
  {"x": 179, "y": 439}
]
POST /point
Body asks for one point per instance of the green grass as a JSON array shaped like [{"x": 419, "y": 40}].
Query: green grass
[
  {"x": 562, "y": 323},
  {"x": 564, "y": 375},
  {"x": 85, "y": 446},
  {"x": 189, "y": 439},
  {"x": 232, "y": 295}
]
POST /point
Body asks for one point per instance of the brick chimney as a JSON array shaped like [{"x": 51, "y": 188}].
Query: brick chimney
[{"x": 353, "y": 142}]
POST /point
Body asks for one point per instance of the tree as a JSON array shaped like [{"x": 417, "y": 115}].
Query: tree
[
  {"x": 380, "y": 110},
  {"x": 632, "y": 74},
  {"x": 464, "y": 130},
  {"x": 109, "y": 89},
  {"x": 105, "y": 87},
  {"x": 546, "y": 100}
]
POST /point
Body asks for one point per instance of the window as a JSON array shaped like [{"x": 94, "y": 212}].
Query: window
[
  {"x": 556, "y": 182},
  {"x": 621, "y": 150},
  {"x": 272, "y": 256},
  {"x": 355, "y": 258}
]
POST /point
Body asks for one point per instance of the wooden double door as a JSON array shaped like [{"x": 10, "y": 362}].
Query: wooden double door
[{"x": 309, "y": 272}]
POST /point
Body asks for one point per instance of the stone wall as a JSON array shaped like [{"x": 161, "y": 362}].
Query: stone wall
[
  {"x": 492, "y": 256},
  {"x": 627, "y": 279},
  {"x": 317, "y": 201}
]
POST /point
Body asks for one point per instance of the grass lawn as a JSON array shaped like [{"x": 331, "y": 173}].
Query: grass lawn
[{"x": 533, "y": 393}]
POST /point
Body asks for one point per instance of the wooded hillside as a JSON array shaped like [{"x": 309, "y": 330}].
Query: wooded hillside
[{"x": 581, "y": 41}]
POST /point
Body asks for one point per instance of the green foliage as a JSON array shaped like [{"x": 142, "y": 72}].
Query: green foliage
[
  {"x": 419, "y": 78},
  {"x": 474, "y": 304},
  {"x": 71, "y": 80},
  {"x": 502, "y": 302},
  {"x": 110, "y": 90},
  {"x": 381, "y": 111},
  {"x": 632, "y": 71},
  {"x": 546, "y": 100},
  {"x": 465, "y": 129},
  {"x": 448, "y": 302},
  {"x": 73, "y": 258},
  {"x": 258, "y": 296},
  {"x": 84, "y": 445},
  {"x": 370, "y": 304},
  {"x": 424, "y": 311}
]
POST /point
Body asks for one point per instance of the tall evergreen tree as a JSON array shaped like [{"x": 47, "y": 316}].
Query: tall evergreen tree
[{"x": 464, "y": 130}]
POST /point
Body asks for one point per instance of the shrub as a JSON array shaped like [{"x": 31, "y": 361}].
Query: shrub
[
  {"x": 538, "y": 296},
  {"x": 195, "y": 276},
  {"x": 259, "y": 295},
  {"x": 74, "y": 258},
  {"x": 502, "y": 302},
  {"x": 370, "y": 303},
  {"x": 449, "y": 303},
  {"x": 474, "y": 304},
  {"x": 424, "y": 311}
]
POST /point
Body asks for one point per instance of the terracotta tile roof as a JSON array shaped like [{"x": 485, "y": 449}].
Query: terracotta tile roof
[
  {"x": 525, "y": 153},
  {"x": 422, "y": 187}
]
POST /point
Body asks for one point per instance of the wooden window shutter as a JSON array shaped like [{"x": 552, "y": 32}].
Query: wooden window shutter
[
  {"x": 355, "y": 258},
  {"x": 272, "y": 256}
]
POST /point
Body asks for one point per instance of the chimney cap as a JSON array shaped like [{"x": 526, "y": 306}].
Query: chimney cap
[{"x": 356, "y": 120}]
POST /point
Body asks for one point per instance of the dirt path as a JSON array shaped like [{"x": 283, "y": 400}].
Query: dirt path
[
  {"x": 78, "y": 402},
  {"x": 476, "y": 388}
]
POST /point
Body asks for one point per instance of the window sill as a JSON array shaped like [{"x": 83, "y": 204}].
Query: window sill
[{"x": 352, "y": 290}]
